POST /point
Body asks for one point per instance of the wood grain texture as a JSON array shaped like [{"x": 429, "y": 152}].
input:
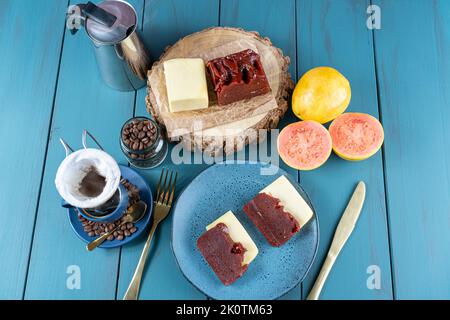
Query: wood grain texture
[
  {"x": 27, "y": 86},
  {"x": 413, "y": 71},
  {"x": 334, "y": 33},
  {"x": 412, "y": 51},
  {"x": 165, "y": 22},
  {"x": 274, "y": 19},
  {"x": 214, "y": 43},
  {"x": 82, "y": 101}
]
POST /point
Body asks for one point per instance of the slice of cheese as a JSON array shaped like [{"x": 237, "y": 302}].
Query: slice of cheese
[
  {"x": 238, "y": 234},
  {"x": 186, "y": 84},
  {"x": 291, "y": 200}
]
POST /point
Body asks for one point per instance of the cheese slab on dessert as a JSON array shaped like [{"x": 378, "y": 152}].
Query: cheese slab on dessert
[
  {"x": 186, "y": 84},
  {"x": 290, "y": 199},
  {"x": 238, "y": 234}
]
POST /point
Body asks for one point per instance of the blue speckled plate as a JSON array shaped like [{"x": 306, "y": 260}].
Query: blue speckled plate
[
  {"x": 228, "y": 186},
  {"x": 146, "y": 195}
]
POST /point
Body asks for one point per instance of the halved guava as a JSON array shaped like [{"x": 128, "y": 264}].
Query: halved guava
[
  {"x": 356, "y": 136},
  {"x": 304, "y": 145}
]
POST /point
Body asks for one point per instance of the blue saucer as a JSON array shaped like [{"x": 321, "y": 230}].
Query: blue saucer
[
  {"x": 146, "y": 196},
  {"x": 228, "y": 186}
]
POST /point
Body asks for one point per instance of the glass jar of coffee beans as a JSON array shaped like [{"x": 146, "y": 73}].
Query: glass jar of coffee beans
[{"x": 142, "y": 143}]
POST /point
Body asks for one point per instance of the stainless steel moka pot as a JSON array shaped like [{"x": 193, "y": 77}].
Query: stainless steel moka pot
[{"x": 121, "y": 55}]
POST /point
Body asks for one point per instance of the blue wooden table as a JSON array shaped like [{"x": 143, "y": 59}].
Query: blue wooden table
[{"x": 400, "y": 73}]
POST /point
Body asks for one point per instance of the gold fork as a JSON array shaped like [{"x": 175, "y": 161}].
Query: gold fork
[{"x": 163, "y": 202}]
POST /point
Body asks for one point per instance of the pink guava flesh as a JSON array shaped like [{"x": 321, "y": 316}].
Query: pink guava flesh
[
  {"x": 304, "y": 145},
  {"x": 356, "y": 135}
]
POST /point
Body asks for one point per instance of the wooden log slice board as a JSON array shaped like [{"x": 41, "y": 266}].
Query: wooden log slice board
[{"x": 233, "y": 136}]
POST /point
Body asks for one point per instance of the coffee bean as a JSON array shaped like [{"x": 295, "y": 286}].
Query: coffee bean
[
  {"x": 91, "y": 234},
  {"x": 110, "y": 238},
  {"x": 129, "y": 225},
  {"x": 127, "y": 233},
  {"x": 115, "y": 234},
  {"x": 133, "y": 230},
  {"x": 120, "y": 237}
]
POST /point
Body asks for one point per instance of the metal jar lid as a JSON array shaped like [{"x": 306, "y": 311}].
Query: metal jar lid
[{"x": 124, "y": 25}]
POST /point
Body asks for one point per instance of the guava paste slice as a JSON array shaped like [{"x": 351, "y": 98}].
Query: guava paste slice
[
  {"x": 238, "y": 76},
  {"x": 268, "y": 215},
  {"x": 223, "y": 255}
]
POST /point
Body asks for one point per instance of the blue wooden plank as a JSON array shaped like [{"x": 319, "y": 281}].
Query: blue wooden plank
[
  {"x": 28, "y": 72},
  {"x": 82, "y": 101},
  {"x": 165, "y": 22},
  {"x": 334, "y": 33},
  {"x": 276, "y": 20},
  {"x": 412, "y": 53},
  {"x": 271, "y": 18}
]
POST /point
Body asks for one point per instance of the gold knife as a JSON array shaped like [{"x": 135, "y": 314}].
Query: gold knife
[{"x": 343, "y": 232}]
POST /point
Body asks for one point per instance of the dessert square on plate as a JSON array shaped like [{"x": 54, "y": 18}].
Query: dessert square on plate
[
  {"x": 227, "y": 248},
  {"x": 278, "y": 211}
]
